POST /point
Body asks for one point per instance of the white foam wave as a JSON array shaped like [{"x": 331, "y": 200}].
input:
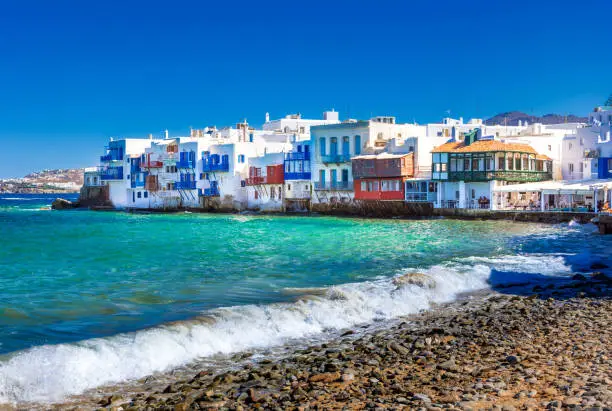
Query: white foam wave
[{"x": 49, "y": 373}]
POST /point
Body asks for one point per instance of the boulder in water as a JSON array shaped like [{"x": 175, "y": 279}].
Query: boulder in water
[
  {"x": 62, "y": 204},
  {"x": 418, "y": 279}
]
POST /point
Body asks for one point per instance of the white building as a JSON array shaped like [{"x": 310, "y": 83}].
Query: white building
[
  {"x": 333, "y": 146},
  {"x": 265, "y": 183},
  {"x": 116, "y": 167}
]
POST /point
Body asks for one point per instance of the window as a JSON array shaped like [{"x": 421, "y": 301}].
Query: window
[
  {"x": 241, "y": 158},
  {"x": 444, "y": 168},
  {"x": 272, "y": 192},
  {"x": 146, "y": 194},
  {"x": 363, "y": 186},
  {"x": 256, "y": 194},
  {"x": 549, "y": 147},
  {"x": 289, "y": 187},
  {"x": 457, "y": 195},
  {"x": 473, "y": 194},
  {"x": 439, "y": 134},
  {"x": 139, "y": 194},
  {"x": 569, "y": 146},
  {"x": 571, "y": 168},
  {"x": 302, "y": 130},
  {"x": 466, "y": 165},
  {"x": 322, "y": 146},
  {"x": 357, "y": 143},
  {"x": 133, "y": 197}
]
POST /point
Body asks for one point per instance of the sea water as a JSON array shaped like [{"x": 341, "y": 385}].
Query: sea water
[{"x": 93, "y": 298}]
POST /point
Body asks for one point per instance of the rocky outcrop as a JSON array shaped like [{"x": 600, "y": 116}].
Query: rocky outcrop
[
  {"x": 63, "y": 204},
  {"x": 418, "y": 279}
]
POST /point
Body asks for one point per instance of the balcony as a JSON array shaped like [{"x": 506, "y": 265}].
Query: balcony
[
  {"x": 111, "y": 173},
  {"x": 210, "y": 166},
  {"x": 500, "y": 175},
  {"x": 152, "y": 164},
  {"x": 298, "y": 175},
  {"x": 253, "y": 181},
  {"x": 137, "y": 184},
  {"x": 185, "y": 163},
  {"x": 336, "y": 158},
  {"x": 185, "y": 185},
  {"x": 304, "y": 155},
  {"x": 213, "y": 191},
  {"x": 334, "y": 185},
  {"x": 106, "y": 158}
]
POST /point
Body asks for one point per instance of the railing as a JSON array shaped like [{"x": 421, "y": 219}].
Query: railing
[
  {"x": 334, "y": 185},
  {"x": 152, "y": 164},
  {"x": 185, "y": 185},
  {"x": 185, "y": 163},
  {"x": 336, "y": 158},
  {"x": 209, "y": 166},
  {"x": 303, "y": 175},
  {"x": 136, "y": 183},
  {"x": 421, "y": 197},
  {"x": 503, "y": 175},
  {"x": 253, "y": 181},
  {"x": 106, "y": 158},
  {"x": 297, "y": 156},
  {"x": 213, "y": 191},
  {"x": 111, "y": 173}
]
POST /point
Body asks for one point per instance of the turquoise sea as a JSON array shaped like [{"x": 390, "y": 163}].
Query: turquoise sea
[{"x": 92, "y": 298}]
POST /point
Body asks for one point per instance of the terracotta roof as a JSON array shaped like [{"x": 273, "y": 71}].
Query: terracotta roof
[
  {"x": 483, "y": 146},
  {"x": 543, "y": 157}
]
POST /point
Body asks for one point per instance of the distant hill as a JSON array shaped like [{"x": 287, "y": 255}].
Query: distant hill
[
  {"x": 46, "y": 181},
  {"x": 513, "y": 118}
]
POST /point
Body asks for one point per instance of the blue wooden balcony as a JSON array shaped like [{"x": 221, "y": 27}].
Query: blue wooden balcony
[
  {"x": 137, "y": 184},
  {"x": 106, "y": 158},
  {"x": 334, "y": 185},
  {"x": 111, "y": 173},
  {"x": 336, "y": 158},
  {"x": 213, "y": 191},
  {"x": 185, "y": 185},
  {"x": 208, "y": 165},
  {"x": 303, "y": 155},
  {"x": 185, "y": 163},
  {"x": 297, "y": 175}
]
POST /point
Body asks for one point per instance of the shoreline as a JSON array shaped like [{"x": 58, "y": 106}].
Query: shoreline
[{"x": 527, "y": 346}]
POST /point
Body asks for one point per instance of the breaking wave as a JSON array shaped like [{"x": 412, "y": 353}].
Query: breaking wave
[{"x": 52, "y": 372}]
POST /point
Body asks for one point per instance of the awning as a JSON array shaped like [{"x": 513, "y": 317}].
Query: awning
[{"x": 557, "y": 187}]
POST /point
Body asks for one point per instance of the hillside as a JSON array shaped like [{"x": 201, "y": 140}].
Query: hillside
[
  {"x": 513, "y": 118},
  {"x": 46, "y": 181}
]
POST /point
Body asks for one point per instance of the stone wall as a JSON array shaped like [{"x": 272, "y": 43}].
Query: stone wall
[
  {"x": 97, "y": 196},
  {"x": 376, "y": 209},
  {"x": 527, "y": 216}
]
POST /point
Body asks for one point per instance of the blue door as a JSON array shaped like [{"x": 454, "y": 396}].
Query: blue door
[
  {"x": 333, "y": 146},
  {"x": 333, "y": 178},
  {"x": 322, "y": 178},
  {"x": 346, "y": 150},
  {"x": 357, "y": 145}
]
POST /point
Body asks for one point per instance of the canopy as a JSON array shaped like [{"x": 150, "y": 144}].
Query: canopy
[{"x": 557, "y": 187}]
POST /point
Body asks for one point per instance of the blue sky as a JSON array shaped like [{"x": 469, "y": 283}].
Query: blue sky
[{"x": 73, "y": 73}]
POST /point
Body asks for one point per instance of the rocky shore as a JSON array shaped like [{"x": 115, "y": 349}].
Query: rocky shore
[{"x": 523, "y": 346}]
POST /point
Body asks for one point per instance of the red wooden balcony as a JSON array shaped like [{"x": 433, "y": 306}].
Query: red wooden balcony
[{"x": 152, "y": 164}]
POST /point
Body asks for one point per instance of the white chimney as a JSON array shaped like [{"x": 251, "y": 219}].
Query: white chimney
[
  {"x": 166, "y": 133},
  {"x": 267, "y": 117}
]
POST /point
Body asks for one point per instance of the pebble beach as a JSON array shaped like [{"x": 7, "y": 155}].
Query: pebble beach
[{"x": 519, "y": 347}]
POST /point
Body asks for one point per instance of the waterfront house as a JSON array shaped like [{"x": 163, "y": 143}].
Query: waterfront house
[
  {"x": 265, "y": 182},
  {"x": 298, "y": 185},
  {"x": 382, "y": 177},
  {"x": 468, "y": 171},
  {"x": 334, "y": 145},
  {"x": 116, "y": 167}
]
